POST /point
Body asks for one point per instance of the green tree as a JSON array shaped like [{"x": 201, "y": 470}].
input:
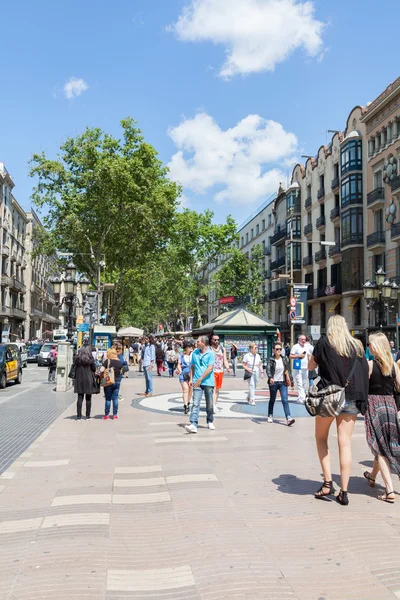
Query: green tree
[
  {"x": 105, "y": 199},
  {"x": 242, "y": 277}
]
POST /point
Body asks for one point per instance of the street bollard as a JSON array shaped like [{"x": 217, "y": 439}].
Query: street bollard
[{"x": 64, "y": 362}]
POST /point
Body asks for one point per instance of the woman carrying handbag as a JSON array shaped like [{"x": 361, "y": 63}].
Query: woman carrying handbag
[
  {"x": 110, "y": 380},
  {"x": 279, "y": 379},
  {"x": 253, "y": 368}
]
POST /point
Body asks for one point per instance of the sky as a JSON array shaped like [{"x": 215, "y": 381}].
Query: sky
[{"x": 231, "y": 93}]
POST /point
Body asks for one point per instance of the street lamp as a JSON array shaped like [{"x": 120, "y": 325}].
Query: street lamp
[
  {"x": 70, "y": 284},
  {"x": 381, "y": 296}
]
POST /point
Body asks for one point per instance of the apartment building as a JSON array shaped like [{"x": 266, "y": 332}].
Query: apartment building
[
  {"x": 381, "y": 120},
  {"x": 257, "y": 229},
  {"x": 42, "y": 313}
]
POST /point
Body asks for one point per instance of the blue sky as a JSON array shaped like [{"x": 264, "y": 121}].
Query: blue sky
[{"x": 202, "y": 91}]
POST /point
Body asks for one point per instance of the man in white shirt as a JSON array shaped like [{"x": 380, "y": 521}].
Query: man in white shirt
[{"x": 302, "y": 351}]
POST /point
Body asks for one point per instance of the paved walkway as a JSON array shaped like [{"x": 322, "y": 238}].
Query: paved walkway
[{"x": 136, "y": 508}]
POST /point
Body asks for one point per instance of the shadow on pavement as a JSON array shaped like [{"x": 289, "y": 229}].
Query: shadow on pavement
[{"x": 290, "y": 484}]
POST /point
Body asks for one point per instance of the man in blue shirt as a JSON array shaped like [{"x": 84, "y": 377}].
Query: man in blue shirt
[
  {"x": 149, "y": 359},
  {"x": 202, "y": 380}
]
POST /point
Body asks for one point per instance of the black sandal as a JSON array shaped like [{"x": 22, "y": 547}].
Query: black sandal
[
  {"x": 320, "y": 494},
  {"x": 371, "y": 481},
  {"x": 385, "y": 497},
  {"x": 342, "y": 498}
]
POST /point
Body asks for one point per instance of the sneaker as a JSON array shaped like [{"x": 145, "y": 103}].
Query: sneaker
[
  {"x": 79, "y": 418},
  {"x": 290, "y": 421},
  {"x": 191, "y": 428},
  {"x": 270, "y": 420},
  {"x": 105, "y": 418},
  {"x": 88, "y": 418},
  {"x": 115, "y": 417},
  {"x": 120, "y": 399},
  {"x": 211, "y": 426}
]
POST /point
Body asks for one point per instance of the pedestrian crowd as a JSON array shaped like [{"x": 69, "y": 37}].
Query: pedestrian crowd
[{"x": 346, "y": 380}]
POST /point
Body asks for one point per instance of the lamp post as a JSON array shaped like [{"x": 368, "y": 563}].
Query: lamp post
[
  {"x": 70, "y": 286},
  {"x": 381, "y": 296}
]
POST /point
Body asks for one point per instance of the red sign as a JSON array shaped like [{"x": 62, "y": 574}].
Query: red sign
[{"x": 226, "y": 300}]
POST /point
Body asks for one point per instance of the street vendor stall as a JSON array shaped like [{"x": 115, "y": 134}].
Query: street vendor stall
[{"x": 240, "y": 327}]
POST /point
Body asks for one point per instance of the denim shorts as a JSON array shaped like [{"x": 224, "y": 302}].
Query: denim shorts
[{"x": 350, "y": 408}]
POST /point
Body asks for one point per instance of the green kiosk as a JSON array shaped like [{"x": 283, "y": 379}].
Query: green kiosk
[{"x": 240, "y": 327}]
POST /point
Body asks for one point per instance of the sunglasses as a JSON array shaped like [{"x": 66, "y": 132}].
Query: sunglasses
[
  {"x": 278, "y": 349},
  {"x": 215, "y": 339}
]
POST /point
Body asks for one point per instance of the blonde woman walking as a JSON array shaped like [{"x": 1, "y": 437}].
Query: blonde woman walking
[
  {"x": 335, "y": 355},
  {"x": 381, "y": 423}
]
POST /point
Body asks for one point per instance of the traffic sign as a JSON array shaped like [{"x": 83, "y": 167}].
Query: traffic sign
[
  {"x": 84, "y": 327},
  {"x": 292, "y": 315},
  {"x": 293, "y": 302}
]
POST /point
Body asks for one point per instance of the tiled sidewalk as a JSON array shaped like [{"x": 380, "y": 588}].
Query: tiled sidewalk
[{"x": 135, "y": 508}]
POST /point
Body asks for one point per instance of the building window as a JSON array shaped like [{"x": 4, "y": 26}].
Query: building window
[
  {"x": 247, "y": 238},
  {"x": 263, "y": 224},
  {"x": 378, "y": 220},
  {"x": 353, "y": 270},
  {"x": 309, "y": 315},
  {"x": 351, "y": 156},
  {"x": 252, "y": 233},
  {"x": 378, "y": 179},
  {"x": 357, "y": 312},
  {"x": 378, "y": 260},
  {"x": 242, "y": 241},
  {"x": 295, "y": 224},
  {"x": 322, "y": 280},
  {"x": 323, "y": 315},
  {"x": 269, "y": 219},
  {"x": 352, "y": 226},
  {"x": 352, "y": 190},
  {"x": 257, "y": 229}
]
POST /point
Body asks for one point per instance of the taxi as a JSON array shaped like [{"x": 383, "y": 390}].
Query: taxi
[{"x": 10, "y": 364}]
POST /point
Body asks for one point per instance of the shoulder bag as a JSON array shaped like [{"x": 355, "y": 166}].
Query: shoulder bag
[
  {"x": 328, "y": 401},
  {"x": 108, "y": 377},
  {"x": 72, "y": 371},
  {"x": 247, "y": 374}
]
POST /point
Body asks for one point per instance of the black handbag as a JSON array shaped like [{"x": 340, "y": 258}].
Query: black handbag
[
  {"x": 247, "y": 374},
  {"x": 72, "y": 371},
  {"x": 96, "y": 384},
  {"x": 396, "y": 393}
]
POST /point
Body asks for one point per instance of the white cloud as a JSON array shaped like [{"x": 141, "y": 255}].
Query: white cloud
[
  {"x": 257, "y": 34},
  {"x": 239, "y": 164},
  {"x": 74, "y": 87}
]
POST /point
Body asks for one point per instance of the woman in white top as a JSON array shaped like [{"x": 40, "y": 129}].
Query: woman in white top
[{"x": 252, "y": 364}]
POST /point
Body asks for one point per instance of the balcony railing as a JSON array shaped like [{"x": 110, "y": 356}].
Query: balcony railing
[
  {"x": 17, "y": 285},
  {"x": 377, "y": 195},
  {"x": 307, "y": 261},
  {"x": 18, "y": 312},
  {"x": 267, "y": 250},
  {"x": 308, "y": 202},
  {"x": 5, "y": 250},
  {"x": 335, "y": 213},
  {"x": 334, "y": 250},
  {"x": 4, "y": 311},
  {"x": 335, "y": 183},
  {"x": 281, "y": 292},
  {"x": 375, "y": 239},
  {"x": 355, "y": 239},
  {"x": 321, "y": 193},
  {"x": 395, "y": 184},
  {"x": 279, "y": 235},
  {"x": 395, "y": 231},
  {"x": 308, "y": 229},
  {"x": 277, "y": 264},
  {"x": 5, "y": 280},
  {"x": 320, "y": 255},
  {"x": 320, "y": 222}
]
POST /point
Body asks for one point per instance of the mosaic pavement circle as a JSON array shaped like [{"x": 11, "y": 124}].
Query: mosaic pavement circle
[{"x": 232, "y": 405}]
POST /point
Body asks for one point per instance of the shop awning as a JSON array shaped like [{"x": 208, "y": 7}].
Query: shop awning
[
  {"x": 333, "y": 306},
  {"x": 353, "y": 302}
]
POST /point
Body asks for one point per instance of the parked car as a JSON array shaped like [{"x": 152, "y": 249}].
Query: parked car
[
  {"x": 10, "y": 364},
  {"x": 33, "y": 352},
  {"x": 43, "y": 357},
  {"x": 24, "y": 353}
]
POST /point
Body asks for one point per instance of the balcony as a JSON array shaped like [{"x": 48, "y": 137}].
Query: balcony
[
  {"x": 308, "y": 229},
  {"x": 335, "y": 213},
  {"x": 13, "y": 256},
  {"x": 17, "y": 285},
  {"x": 320, "y": 255},
  {"x": 395, "y": 185},
  {"x": 278, "y": 264},
  {"x": 307, "y": 261},
  {"x": 267, "y": 250},
  {"x": 295, "y": 209},
  {"x": 355, "y": 239},
  {"x": 5, "y": 280},
  {"x": 395, "y": 232},
  {"x": 308, "y": 202},
  {"x": 320, "y": 222},
  {"x": 376, "y": 240},
  {"x": 279, "y": 236},
  {"x": 272, "y": 295},
  {"x": 4, "y": 311},
  {"x": 18, "y": 313},
  {"x": 376, "y": 198},
  {"x": 334, "y": 250},
  {"x": 321, "y": 194},
  {"x": 335, "y": 183},
  {"x": 281, "y": 292},
  {"x": 310, "y": 292},
  {"x": 5, "y": 250}
]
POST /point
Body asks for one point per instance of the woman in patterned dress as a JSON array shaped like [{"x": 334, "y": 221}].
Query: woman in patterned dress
[{"x": 381, "y": 420}]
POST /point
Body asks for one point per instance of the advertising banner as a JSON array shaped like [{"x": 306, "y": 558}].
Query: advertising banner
[
  {"x": 226, "y": 300},
  {"x": 299, "y": 313}
]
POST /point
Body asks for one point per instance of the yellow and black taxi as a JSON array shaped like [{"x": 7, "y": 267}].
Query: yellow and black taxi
[{"x": 10, "y": 364}]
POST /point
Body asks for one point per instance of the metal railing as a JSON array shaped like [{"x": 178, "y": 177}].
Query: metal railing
[
  {"x": 334, "y": 250},
  {"x": 308, "y": 229},
  {"x": 320, "y": 255},
  {"x": 395, "y": 183},
  {"x": 279, "y": 235},
  {"x": 335, "y": 183},
  {"x": 378, "y": 194},
  {"x": 378, "y": 237},
  {"x": 307, "y": 261},
  {"x": 395, "y": 231},
  {"x": 320, "y": 222},
  {"x": 277, "y": 264},
  {"x": 335, "y": 213},
  {"x": 321, "y": 193},
  {"x": 308, "y": 202},
  {"x": 355, "y": 239}
]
